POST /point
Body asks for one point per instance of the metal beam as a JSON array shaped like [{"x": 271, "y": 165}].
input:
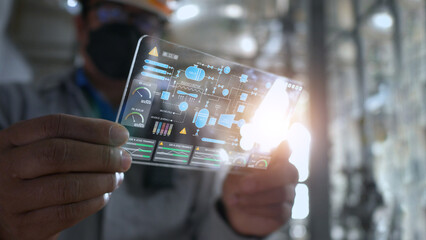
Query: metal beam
[{"x": 319, "y": 183}]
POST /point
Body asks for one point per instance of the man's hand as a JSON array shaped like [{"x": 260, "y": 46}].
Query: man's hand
[
  {"x": 259, "y": 203},
  {"x": 55, "y": 171}
]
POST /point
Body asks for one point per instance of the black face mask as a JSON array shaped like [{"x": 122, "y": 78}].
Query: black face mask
[{"x": 111, "y": 48}]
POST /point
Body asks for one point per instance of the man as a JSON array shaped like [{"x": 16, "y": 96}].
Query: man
[{"x": 57, "y": 171}]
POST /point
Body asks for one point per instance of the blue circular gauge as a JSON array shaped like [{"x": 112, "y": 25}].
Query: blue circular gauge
[
  {"x": 183, "y": 106},
  {"x": 142, "y": 92},
  {"x": 225, "y": 92},
  {"x": 227, "y": 70}
]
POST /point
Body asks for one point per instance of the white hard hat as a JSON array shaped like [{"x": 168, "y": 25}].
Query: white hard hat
[{"x": 159, "y": 7}]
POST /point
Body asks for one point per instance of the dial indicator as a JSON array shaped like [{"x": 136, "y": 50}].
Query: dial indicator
[{"x": 134, "y": 118}]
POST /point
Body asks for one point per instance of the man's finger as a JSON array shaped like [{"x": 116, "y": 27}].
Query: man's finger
[
  {"x": 62, "y": 156},
  {"x": 63, "y": 126},
  {"x": 280, "y": 155},
  {"x": 58, "y": 218},
  {"x": 64, "y": 189},
  {"x": 276, "y": 177},
  {"x": 275, "y": 196}
]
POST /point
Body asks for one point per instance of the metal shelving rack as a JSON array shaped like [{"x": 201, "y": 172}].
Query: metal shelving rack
[{"x": 377, "y": 105}]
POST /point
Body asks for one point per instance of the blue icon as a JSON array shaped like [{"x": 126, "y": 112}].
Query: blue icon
[
  {"x": 241, "y": 123},
  {"x": 227, "y": 70},
  {"x": 212, "y": 121},
  {"x": 211, "y": 140},
  {"x": 241, "y": 108},
  {"x": 226, "y": 120},
  {"x": 243, "y": 96},
  {"x": 194, "y": 95},
  {"x": 165, "y": 95},
  {"x": 200, "y": 118},
  {"x": 183, "y": 106},
  {"x": 195, "y": 73},
  {"x": 225, "y": 92},
  {"x": 162, "y": 65},
  {"x": 243, "y": 78},
  {"x": 268, "y": 85},
  {"x": 152, "y": 69},
  {"x": 147, "y": 74}
]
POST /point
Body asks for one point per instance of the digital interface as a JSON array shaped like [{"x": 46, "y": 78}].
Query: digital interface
[{"x": 187, "y": 109}]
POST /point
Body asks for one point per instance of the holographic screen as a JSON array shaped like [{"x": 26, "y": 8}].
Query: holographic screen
[{"x": 187, "y": 109}]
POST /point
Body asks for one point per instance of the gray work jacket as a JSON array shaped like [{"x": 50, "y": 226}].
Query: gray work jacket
[{"x": 185, "y": 211}]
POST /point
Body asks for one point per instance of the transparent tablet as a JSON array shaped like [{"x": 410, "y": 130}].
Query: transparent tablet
[{"x": 187, "y": 109}]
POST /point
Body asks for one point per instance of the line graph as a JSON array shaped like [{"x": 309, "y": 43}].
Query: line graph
[
  {"x": 206, "y": 157},
  {"x": 173, "y": 152},
  {"x": 139, "y": 148}
]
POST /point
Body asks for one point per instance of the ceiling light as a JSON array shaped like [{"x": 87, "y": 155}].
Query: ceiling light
[
  {"x": 72, "y": 3},
  {"x": 234, "y": 11},
  {"x": 248, "y": 45},
  {"x": 382, "y": 21},
  {"x": 187, "y": 12}
]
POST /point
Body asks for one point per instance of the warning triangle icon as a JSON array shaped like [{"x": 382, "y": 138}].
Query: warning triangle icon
[
  {"x": 161, "y": 144},
  {"x": 154, "y": 52},
  {"x": 183, "y": 132}
]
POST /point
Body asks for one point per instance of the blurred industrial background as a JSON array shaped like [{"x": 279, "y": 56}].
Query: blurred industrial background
[{"x": 364, "y": 66}]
